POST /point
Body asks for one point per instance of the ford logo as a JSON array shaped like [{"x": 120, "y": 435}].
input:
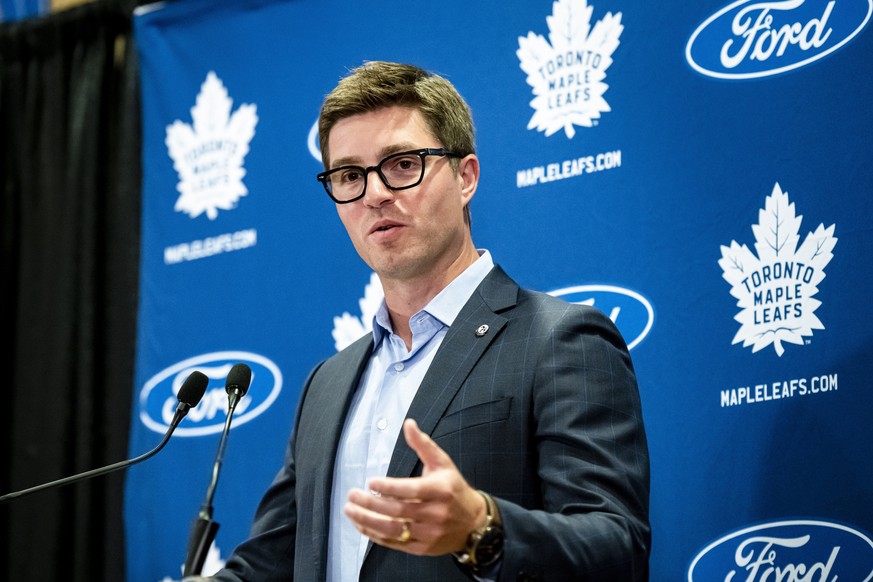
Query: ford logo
[
  {"x": 792, "y": 551},
  {"x": 631, "y": 313},
  {"x": 312, "y": 142},
  {"x": 754, "y": 38},
  {"x": 159, "y": 396}
]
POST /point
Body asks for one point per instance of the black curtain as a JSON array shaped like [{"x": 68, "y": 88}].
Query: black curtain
[{"x": 70, "y": 169}]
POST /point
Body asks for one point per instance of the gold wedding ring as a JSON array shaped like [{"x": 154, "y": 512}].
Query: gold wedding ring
[{"x": 406, "y": 533}]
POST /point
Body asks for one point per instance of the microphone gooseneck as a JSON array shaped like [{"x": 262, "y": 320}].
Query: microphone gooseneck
[
  {"x": 237, "y": 384},
  {"x": 190, "y": 393},
  {"x": 204, "y": 528}
]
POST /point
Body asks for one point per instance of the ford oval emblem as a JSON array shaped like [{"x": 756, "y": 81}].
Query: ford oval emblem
[
  {"x": 811, "y": 550},
  {"x": 631, "y": 313},
  {"x": 750, "y": 38},
  {"x": 159, "y": 396},
  {"x": 312, "y": 142}
]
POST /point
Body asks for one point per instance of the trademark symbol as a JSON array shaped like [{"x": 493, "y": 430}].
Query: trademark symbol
[{"x": 807, "y": 342}]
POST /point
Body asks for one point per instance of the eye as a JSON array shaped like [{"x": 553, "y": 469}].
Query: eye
[
  {"x": 350, "y": 175},
  {"x": 403, "y": 164}
]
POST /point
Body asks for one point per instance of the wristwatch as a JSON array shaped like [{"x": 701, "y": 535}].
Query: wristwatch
[{"x": 484, "y": 544}]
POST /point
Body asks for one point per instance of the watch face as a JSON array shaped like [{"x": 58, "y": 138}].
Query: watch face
[{"x": 490, "y": 546}]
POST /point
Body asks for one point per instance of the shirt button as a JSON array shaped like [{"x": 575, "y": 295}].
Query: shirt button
[
  {"x": 398, "y": 367},
  {"x": 382, "y": 424}
]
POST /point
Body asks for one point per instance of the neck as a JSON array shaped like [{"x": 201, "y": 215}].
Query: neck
[{"x": 404, "y": 298}]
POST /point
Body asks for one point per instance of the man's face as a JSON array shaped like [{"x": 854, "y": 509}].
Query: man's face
[{"x": 403, "y": 234}]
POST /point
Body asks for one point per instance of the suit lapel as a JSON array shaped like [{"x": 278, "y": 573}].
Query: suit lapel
[
  {"x": 328, "y": 410},
  {"x": 333, "y": 406},
  {"x": 461, "y": 349}
]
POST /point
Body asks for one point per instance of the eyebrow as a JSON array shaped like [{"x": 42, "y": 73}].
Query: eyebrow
[{"x": 383, "y": 153}]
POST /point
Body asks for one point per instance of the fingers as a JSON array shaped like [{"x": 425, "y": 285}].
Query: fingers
[
  {"x": 427, "y": 510},
  {"x": 427, "y": 515},
  {"x": 384, "y": 504},
  {"x": 377, "y": 526},
  {"x": 430, "y": 454},
  {"x": 432, "y": 457},
  {"x": 394, "y": 532},
  {"x": 433, "y": 527}
]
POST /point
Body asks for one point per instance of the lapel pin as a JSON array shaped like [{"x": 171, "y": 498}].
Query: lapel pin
[{"x": 482, "y": 330}]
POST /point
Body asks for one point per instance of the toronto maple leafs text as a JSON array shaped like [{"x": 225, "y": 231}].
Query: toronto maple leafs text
[
  {"x": 568, "y": 169},
  {"x": 779, "y": 390},
  {"x": 773, "y": 299}
]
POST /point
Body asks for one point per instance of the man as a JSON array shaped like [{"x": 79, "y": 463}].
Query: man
[{"x": 523, "y": 454}]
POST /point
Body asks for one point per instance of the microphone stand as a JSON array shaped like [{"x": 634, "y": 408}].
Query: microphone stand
[{"x": 203, "y": 529}]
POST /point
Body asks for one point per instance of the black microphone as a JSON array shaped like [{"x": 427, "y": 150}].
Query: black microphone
[
  {"x": 190, "y": 393},
  {"x": 204, "y": 528}
]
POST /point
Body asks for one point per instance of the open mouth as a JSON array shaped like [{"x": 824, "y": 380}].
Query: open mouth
[{"x": 384, "y": 227}]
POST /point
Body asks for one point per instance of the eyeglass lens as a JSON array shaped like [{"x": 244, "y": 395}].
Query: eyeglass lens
[{"x": 397, "y": 171}]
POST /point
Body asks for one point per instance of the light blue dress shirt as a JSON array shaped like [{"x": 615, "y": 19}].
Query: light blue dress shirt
[{"x": 379, "y": 407}]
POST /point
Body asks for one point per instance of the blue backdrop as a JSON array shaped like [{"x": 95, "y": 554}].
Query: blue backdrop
[{"x": 698, "y": 171}]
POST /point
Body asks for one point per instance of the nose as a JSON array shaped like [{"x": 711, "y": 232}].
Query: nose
[{"x": 377, "y": 193}]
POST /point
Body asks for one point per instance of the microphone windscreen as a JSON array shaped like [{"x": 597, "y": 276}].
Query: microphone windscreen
[
  {"x": 193, "y": 388},
  {"x": 239, "y": 378}
]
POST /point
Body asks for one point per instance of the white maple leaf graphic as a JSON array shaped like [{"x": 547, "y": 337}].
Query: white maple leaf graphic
[
  {"x": 775, "y": 289},
  {"x": 348, "y": 328},
  {"x": 209, "y": 156},
  {"x": 567, "y": 72}
]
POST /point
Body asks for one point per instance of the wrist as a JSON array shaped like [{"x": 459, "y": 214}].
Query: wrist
[{"x": 484, "y": 545}]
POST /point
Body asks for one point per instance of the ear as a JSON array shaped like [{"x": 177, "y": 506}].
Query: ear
[{"x": 468, "y": 175}]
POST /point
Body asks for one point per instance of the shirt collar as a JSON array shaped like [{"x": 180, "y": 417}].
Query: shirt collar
[{"x": 448, "y": 302}]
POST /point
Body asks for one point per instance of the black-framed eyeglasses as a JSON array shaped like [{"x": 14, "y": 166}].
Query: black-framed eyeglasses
[{"x": 398, "y": 172}]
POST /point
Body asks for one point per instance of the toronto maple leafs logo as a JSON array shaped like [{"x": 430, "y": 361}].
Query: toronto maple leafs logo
[
  {"x": 348, "y": 328},
  {"x": 776, "y": 290},
  {"x": 567, "y": 72},
  {"x": 209, "y": 156}
]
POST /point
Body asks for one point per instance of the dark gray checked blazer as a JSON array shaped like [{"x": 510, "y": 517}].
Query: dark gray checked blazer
[{"x": 542, "y": 411}]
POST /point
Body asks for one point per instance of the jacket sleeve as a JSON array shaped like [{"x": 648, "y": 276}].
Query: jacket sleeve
[
  {"x": 592, "y": 461},
  {"x": 268, "y": 553}
]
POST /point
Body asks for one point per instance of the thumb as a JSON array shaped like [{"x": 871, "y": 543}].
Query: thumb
[{"x": 430, "y": 454}]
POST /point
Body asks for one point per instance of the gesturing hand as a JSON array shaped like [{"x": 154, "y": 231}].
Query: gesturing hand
[{"x": 429, "y": 515}]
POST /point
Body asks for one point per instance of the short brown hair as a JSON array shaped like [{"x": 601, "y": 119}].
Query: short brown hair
[{"x": 378, "y": 84}]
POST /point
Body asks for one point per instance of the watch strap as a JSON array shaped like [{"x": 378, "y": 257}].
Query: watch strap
[{"x": 492, "y": 526}]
